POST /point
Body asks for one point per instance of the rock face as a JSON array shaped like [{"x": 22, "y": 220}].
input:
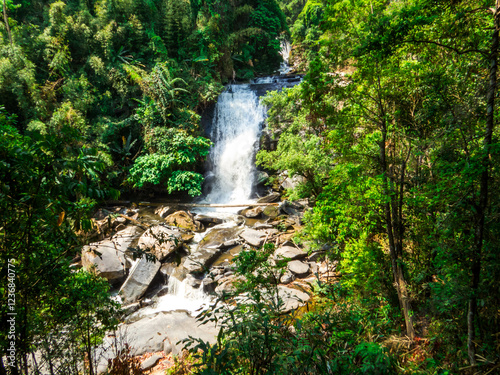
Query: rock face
[
  {"x": 209, "y": 248},
  {"x": 289, "y": 252},
  {"x": 111, "y": 263},
  {"x": 253, "y": 237},
  {"x": 151, "y": 334},
  {"x": 141, "y": 275},
  {"x": 182, "y": 219},
  {"x": 160, "y": 241}
]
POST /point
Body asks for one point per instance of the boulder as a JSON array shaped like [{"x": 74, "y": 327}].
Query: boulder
[
  {"x": 292, "y": 183},
  {"x": 271, "y": 212},
  {"x": 160, "y": 241},
  {"x": 184, "y": 220},
  {"x": 298, "y": 268},
  {"x": 289, "y": 252},
  {"x": 140, "y": 277},
  {"x": 287, "y": 277},
  {"x": 154, "y": 332},
  {"x": 291, "y": 298},
  {"x": 262, "y": 177},
  {"x": 107, "y": 257},
  {"x": 206, "y": 220},
  {"x": 253, "y": 212},
  {"x": 209, "y": 248},
  {"x": 164, "y": 211},
  {"x": 253, "y": 237},
  {"x": 291, "y": 208},
  {"x": 273, "y": 197}
]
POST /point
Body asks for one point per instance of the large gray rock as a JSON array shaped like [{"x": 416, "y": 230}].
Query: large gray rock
[
  {"x": 140, "y": 277},
  {"x": 273, "y": 197},
  {"x": 155, "y": 332},
  {"x": 160, "y": 241},
  {"x": 289, "y": 252},
  {"x": 253, "y": 237},
  {"x": 292, "y": 183},
  {"x": 298, "y": 268},
  {"x": 209, "y": 248},
  {"x": 107, "y": 258},
  {"x": 271, "y": 212},
  {"x": 291, "y": 208},
  {"x": 291, "y": 298}
]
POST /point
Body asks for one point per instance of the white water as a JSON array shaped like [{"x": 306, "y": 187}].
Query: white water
[
  {"x": 235, "y": 133},
  {"x": 285, "y": 53},
  {"x": 181, "y": 296}
]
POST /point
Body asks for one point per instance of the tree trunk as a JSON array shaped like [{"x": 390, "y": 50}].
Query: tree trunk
[
  {"x": 395, "y": 239},
  {"x": 472, "y": 315},
  {"x": 6, "y": 20}
]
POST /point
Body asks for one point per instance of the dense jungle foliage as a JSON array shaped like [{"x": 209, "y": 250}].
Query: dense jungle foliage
[{"x": 393, "y": 129}]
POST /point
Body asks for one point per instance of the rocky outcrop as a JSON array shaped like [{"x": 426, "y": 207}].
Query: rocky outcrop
[
  {"x": 107, "y": 258},
  {"x": 141, "y": 275},
  {"x": 210, "y": 247},
  {"x": 185, "y": 220},
  {"x": 160, "y": 241}
]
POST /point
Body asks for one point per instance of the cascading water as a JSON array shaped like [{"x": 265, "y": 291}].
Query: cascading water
[{"x": 235, "y": 133}]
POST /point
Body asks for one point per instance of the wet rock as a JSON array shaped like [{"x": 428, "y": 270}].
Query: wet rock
[
  {"x": 253, "y": 237},
  {"x": 160, "y": 241},
  {"x": 140, "y": 277},
  {"x": 289, "y": 252},
  {"x": 131, "y": 308},
  {"x": 271, "y": 212},
  {"x": 206, "y": 220},
  {"x": 182, "y": 219},
  {"x": 230, "y": 243},
  {"x": 164, "y": 211},
  {"x": 298, "y": 268},
  {"x": 273, "y": 197},
  {"x": 262, "y": 178},
  {"x": 209, "y": 248},
  {"x": 150, "y": 362}
]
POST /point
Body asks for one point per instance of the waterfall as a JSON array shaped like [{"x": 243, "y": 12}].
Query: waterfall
[
  {"x": 235, "y": 133},
  {"x": 285, "y": 53},
  {"x": 181, "y": 296}
]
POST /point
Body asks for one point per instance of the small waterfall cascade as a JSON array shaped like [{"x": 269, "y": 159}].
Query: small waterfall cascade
[
  {"x": 181, "y": 296},
  {"x": 285, "y": 53},
  {"x": 235, "y": 133}
]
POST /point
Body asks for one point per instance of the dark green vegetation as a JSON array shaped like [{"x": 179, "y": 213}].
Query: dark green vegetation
[
  {"x": 98, "y": 97},
  {"x": 394, "y": 130}
]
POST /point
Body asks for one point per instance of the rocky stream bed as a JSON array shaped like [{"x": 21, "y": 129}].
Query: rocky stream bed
[{"x": 165, "y": 263}]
